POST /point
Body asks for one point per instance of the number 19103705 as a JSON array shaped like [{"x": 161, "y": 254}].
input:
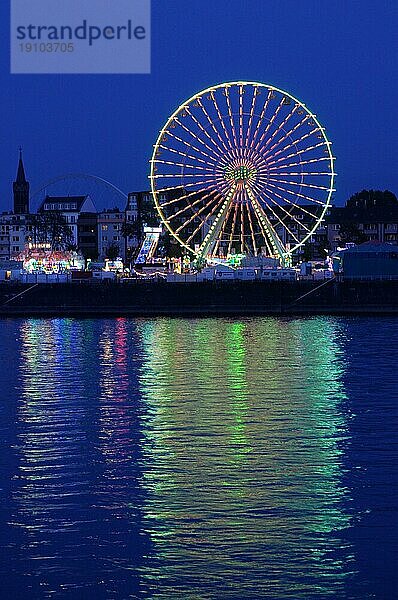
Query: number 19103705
[{"x": 46, "y": 47}]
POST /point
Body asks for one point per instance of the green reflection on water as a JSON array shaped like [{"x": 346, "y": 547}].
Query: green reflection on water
[
  {"x": 244, "y": 464},
  {"x": 236, "y": 369}
]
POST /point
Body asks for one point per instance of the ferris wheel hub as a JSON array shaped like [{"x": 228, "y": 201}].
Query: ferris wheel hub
[{"x": 240, "y": 173}]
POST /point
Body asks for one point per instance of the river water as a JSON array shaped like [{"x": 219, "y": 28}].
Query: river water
[{"x": 199, "y": 459}]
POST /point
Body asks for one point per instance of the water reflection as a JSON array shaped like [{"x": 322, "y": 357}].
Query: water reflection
[
  {"x": 120, "y": 541},
  {"x": 52, "y": 481},
  {"x": 196, "y": 459},
  {"x": 244, "y": 462},
  {"x": 76, "y": 494}
]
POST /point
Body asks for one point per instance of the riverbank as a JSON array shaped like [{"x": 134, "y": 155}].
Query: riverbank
[{"x": 233, "y": 298}]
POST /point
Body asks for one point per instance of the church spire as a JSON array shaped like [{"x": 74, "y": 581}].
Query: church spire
[
  {"x": 21, "y": 171},
  {"x": 21, "y": 189}
]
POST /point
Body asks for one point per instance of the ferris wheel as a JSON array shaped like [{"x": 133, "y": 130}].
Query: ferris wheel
[{"x": 242, "y": 167}]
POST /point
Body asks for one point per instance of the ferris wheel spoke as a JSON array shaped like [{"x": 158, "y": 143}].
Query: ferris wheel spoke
[
  {"x": 242, "y": 225},
  {"x": 283, "y": 209},
  {"x": 281, "y": 126},
  {"x": 198, "y": 213},
  {"x": 203, "y": 130},
  {"x": 185, "y": 185},
  {"x": 264, "y": 234},
  {"x": 287, "y": 135},
  {"x": 241, "y": 116},
  {"x": 186, "y": 155},
  {"x": 299, "y": 153},
  {"x": 298, "y": 195},
  {"x": 269, "y": 124},
  {"x": 211, "y": 236},
  {"x": 262, "y": 217},
  {"x": 221, "y": 119},
  {"x": 302, "y": 184},
  {"x": 266, "y": 199},
  {"x": 189, "y": 176},
  {"x": 218, "y": 154},
  {"x": 184, "y": 165},
  {"x": 291, "y": 203},
  {"x": 231, "y": 120},
  {"x": 197, "y": 230},
  {"x": 180, "y": 198},
  {"x": 258, "y": 161},
  {"x": 191, "y": 205},
  {"x": 299, "y": 164},
  {"x": 292, "y": 141},
  {"x": 251, "y": 228},
  {"x": 251, "y": 112},
  {"x": 212, "y": 125},
  {"x": 260, "y": 120},
  {"x": 200, "y": 151},
  {"x": 298, "y": 173},
  {"x": 223, "y": 229},
  {"x": 231, "y": 235}
]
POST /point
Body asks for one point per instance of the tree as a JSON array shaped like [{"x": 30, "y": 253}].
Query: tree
[
  {"x": 307, "y": 252},
  {"x": 151, "y": 220},
  {"x": 169, "y": 247},
  {"x": 112, "y": 252},
  {"x": 371, "y": 198},
  {"x": 131, "y": 229},
  {"x": 350, "y": 233},
  {"x": 51, "y": 227}
]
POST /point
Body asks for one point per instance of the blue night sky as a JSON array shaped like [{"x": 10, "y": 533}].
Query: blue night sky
[{"x": 339, "y": 57}]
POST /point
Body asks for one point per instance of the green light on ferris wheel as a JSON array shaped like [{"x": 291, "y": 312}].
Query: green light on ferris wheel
[{"x": 241, "y": 173}]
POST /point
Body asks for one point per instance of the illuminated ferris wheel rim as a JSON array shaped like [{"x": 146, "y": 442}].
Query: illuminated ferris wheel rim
[{"x": 240, "y": 84}]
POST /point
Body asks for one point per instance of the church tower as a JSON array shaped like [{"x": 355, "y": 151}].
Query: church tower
[{"x": 21, "y": 190}]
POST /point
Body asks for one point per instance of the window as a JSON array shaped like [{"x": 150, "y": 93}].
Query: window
[
  {"x": 73, "y": 206},
  {"x": 73, "y": 219},
  {"x": 116, "y": 238},
  {"x": 105, "y": 238},
  {"x": 104, "y": 227}
]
